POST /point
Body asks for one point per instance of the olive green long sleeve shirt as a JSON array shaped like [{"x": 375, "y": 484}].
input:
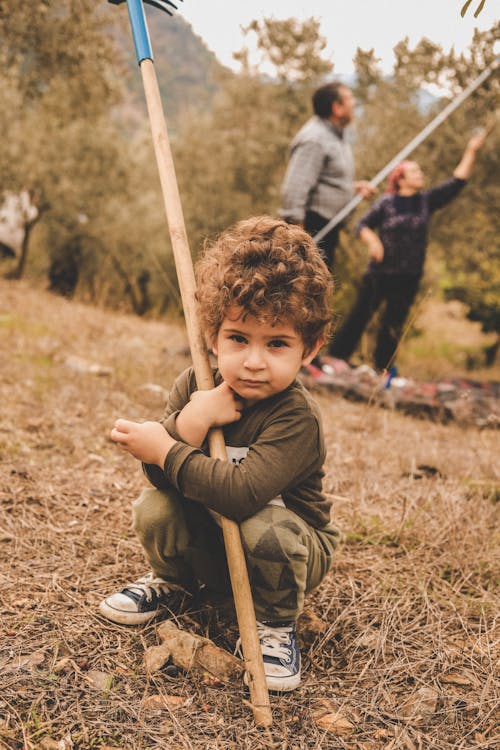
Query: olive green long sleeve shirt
[{"x": 275, "y": 450}]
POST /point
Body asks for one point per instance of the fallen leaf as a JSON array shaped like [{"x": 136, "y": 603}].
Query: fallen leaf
[
  {"x": 327, "y": 715},
  {"x": 155, "y": 657},
  {"x": 66, "y": 743},
  {"x": 47, "y": 743},
  {"x": 420, "y": 706},
  {"x": 211, "y": 680},
  {"x": 327, "y": 705},
  {"x": 310, "y": 625},
  {"x": 370, "y": 639},
  {"x": 25, "y": 662},
  {"x": 157, "y": 701},
  {"x": 99, "y": 680},
  {"x": 333, "y": 723},
  {"x": 194, "y": 652},
  {"x": 455, "y": 678},
  {"x": 124, "y": 670},
  {"x": 167, "y": 728},
  {"x": 406, "y": 741},
  {"x": 61, "y": 664}
]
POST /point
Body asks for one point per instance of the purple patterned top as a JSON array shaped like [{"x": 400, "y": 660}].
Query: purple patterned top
[{"x": 402, "y": 223}]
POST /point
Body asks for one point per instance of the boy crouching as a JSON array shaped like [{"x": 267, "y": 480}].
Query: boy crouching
[{"x": 264, "y": 295}]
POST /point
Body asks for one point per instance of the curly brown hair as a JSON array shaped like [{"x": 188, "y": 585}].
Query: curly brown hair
[{"x": 273, "y": 271}]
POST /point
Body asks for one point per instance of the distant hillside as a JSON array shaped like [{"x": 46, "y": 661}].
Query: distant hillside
[{"x": 189, "y": 74}]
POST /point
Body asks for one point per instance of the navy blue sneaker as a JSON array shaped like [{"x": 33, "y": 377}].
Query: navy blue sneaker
[
  {"x": 140, "y": 601},
  {"x": 280, "y": 654},
  {"x": 389, "y": 376}
]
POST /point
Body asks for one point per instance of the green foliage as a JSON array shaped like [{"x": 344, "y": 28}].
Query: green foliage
[
  {"x": 189, "y": 75},
  {"x": 76, "y": 133},
  {"x": 230, "y": 161},
  {"x": 60, "y": 75},
  {"x": 464, "y": 235},
  {"x": 293, "y": 48},
  {"x": 467, "y": 234}
]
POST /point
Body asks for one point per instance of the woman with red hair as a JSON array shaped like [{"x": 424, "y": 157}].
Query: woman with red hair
[{"x": 397, "y": 253}]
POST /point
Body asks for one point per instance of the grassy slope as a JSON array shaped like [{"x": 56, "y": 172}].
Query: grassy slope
[{"x": 408, "y": 610}]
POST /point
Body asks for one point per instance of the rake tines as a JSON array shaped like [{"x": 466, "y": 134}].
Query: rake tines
[{"x": 161, "y": 4}]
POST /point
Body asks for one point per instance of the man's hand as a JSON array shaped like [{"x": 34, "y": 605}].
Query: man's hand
[
  {"x": 147, "y": 441},
  {"x": 364, "y": 188}
]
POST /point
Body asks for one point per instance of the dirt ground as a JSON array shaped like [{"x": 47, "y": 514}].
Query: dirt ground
[{"x": 401, "y": 643}]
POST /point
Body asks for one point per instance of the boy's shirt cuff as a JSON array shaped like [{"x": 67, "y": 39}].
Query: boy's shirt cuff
[
  {"x": 175, "y": 460},
  {"x": 170, "y": 424},
  {"x": 176, "y": 457}
]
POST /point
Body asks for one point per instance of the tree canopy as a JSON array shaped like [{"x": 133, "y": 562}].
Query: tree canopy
[{"x": 77, "y": 135}]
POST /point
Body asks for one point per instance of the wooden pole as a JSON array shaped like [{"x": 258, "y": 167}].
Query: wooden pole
[
  {"x": 234, "y": 551},
  {"x": 419, "y": 138}
]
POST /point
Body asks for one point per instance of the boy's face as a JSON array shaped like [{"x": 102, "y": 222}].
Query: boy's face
[{"x": 258, "y": 359}]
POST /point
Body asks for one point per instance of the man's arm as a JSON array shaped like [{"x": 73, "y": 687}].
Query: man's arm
[{"x": 302, "y": 175}]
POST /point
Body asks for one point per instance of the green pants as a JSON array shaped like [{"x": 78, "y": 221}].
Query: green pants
[{"x": 286, "y": 558}]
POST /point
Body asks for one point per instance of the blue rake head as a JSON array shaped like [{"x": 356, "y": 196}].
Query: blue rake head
[
  {"x": 139, "y": 26},
  {"x": 161, "y": 4}
]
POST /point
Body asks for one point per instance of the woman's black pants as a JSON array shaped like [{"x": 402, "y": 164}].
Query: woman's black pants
[{"x": 398, "y": 292}]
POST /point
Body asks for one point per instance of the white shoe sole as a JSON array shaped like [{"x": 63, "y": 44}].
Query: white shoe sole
[
  {"x": 125, "y": 618},
  {"x": 279, "y": 684}
]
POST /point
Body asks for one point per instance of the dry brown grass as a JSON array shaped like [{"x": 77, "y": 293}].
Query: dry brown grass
[{"x": 410, "y": 651}]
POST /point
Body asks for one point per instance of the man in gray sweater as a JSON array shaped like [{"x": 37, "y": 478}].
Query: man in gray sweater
[{"x": 319, "y": 180}]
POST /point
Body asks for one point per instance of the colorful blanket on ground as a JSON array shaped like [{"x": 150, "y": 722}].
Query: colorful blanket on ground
[{"x": 459, "y": 399}]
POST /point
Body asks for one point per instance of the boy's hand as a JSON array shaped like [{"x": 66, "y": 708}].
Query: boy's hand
[
  {"x": 206, "y": 409},
  {"x": 218, "y": 406},
  {"x": 147, "y": 441}
]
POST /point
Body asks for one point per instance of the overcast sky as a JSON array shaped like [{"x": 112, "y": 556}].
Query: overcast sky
[{"x": 346, "y": 24}]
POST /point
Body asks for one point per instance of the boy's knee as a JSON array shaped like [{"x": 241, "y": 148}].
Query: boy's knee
[
  {"x": 153, "y": 509},
  {"x": 273, "y": 535}
]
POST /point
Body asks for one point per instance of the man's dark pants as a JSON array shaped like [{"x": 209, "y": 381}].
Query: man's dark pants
[{"x": 313, "y": 223}]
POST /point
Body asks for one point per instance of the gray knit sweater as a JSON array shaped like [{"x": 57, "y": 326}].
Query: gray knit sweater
[{"x": 320, "y": 173}]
